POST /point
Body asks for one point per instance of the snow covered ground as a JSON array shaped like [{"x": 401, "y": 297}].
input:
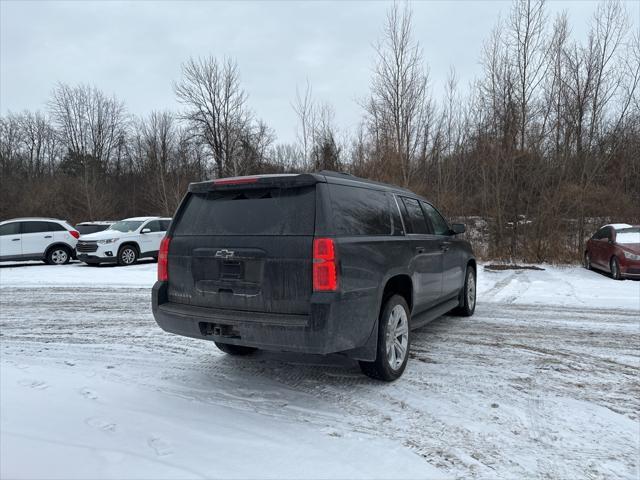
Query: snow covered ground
[{"x": 542, "y": 382}]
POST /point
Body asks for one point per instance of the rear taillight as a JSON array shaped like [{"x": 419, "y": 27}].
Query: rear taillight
[
  {"x": 325, "y": 267},
  {"x": 163, "y": 254},
  {"x": 75, "y": 234}
]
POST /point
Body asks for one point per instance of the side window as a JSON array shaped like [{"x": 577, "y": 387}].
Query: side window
[
  {"x": 360, "y": 211},
  {"x": 164, "y": 225},
  {"x": 10, "y": 229},
  {"x": 54, "y": 227},
  {"x": 608, "y": 233},
  {"x": 35, "y": 227},
  {"x": 440, "y": 225},
  {"x": 154, "y": 226},
  {"x": 414, "y": 219}
]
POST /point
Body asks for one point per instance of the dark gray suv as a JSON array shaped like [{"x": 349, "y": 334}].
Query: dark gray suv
[{"x": 316, "y": 263}]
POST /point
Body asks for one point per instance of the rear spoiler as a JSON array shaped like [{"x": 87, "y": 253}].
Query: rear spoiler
[{"x": 257, "y": 181}]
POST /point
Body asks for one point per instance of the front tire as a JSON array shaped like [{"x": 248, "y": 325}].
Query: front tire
[
  {"x": 394, "y": 341},
  {"x": 614, "y": 266},
  {"x": 467, "y": 297},
  {"x": 127, "y": 255},
  {"x": 58, "y": 256},
  {"x": 236, "y": 350}
]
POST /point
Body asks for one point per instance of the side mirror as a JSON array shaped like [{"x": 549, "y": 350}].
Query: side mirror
[
  {"x": 145, "y": 230},
  {"x": 457, "y": 228}
]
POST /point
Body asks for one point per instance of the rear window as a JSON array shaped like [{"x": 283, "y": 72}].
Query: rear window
[
  {"x": 360, "y": 211},
  {"x": 269, "y": 211}
]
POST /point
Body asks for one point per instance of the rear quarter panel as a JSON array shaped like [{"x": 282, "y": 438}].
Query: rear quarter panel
[{"x": 366, "y": 263}]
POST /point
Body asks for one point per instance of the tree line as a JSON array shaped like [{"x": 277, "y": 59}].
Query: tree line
[{"x": 538, "y": 151}]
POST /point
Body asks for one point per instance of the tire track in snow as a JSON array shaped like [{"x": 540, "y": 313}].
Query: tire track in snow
[{"x": 480, "y": 398}]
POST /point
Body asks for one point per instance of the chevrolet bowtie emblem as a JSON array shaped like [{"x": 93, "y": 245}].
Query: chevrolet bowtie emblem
[{"x": 225, "y": 253}]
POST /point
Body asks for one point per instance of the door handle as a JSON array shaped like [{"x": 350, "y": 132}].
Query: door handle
[
  {"x": 420, "y": 249},
  {"x": 444, "y": 246},
  {"x": 48, "y": 236},
  {"x": 15, "y": 240}
]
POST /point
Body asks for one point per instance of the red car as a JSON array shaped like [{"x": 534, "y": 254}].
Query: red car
[{"x": 615, "y": 248}]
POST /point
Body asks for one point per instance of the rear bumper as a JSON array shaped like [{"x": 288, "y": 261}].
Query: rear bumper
[{"x": 326, "y": 329}]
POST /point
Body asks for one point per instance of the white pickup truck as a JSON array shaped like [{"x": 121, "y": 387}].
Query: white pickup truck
[{"x": 124, "y": 242}]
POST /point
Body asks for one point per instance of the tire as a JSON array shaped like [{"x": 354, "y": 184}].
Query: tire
[
  {"x": 236, "y": 350},
  {"x": 467, "y": 296},
  {"x": 127, "y": 255},
  {"x": 58, "y": 255},
  {"x": 587, "y": 260},
  {"x": 614, "y": 267},
  {"x": 394, "y": 340}
]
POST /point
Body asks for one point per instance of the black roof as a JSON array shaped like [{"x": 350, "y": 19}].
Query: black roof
[
  {"x": 323, "y": 176},
  {"x": 347, "y": 178}
]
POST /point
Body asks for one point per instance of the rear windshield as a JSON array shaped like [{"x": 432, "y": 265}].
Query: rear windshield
[
  {"x": 628, "y": 236},
  {"x": 272, "y": 211}
]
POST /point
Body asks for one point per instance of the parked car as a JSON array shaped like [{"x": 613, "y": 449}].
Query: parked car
[
  {"x": 615, "y": 248},
  {"x": 47, "y": 239},
  {"x": 124, "y": 242},
  {"x": 314, "y": 263},
  {"x": 86, "y": 228}
]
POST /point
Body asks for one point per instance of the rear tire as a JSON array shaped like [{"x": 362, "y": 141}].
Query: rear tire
[
  {"x": 127, "y": 255},
  {"x": 58, "y": 256},
  {"x": 467, "y": 297},
  {"x": 236, "y": 350},
  {"x": 587, "y": 260},
  {"x": 394, "y": 341},
  {"x": 614, "y": 266}
]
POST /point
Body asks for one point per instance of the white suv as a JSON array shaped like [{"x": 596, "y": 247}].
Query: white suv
[
  {"x": 124, "y": 242},
  {"x": 48, "y": 239}
]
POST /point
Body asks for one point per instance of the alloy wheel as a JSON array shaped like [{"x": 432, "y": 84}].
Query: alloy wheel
[
  {"x": 128, "y": 256},
  {"x": 59, "y": 256},
  {"x": 397, "y": 337},
  {"x": 471, "y": 291},
  {"x": 615, "y": 269}
]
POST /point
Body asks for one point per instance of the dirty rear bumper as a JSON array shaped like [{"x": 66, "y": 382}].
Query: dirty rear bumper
[{"x": 328, "y": 328}]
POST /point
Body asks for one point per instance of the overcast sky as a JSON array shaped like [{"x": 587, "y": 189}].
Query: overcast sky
[{"x": 134, "y": 49}]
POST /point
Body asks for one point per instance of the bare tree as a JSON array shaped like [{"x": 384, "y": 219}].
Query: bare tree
[
  {"x": 90, "y": 123},
  {"x": 91, "y": 126},
  {"x": 529, "y": 50},
  {"x": 216, "y": 107},
  {"x": 398, "y": 101},
  {"x": 304, "y": 108}
]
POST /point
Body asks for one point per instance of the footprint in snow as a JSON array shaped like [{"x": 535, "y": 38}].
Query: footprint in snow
[
  {"x": 36, "y": 384},
  {"x": 89, "y": 394},
  {"x": 101, "y": 424},
  {"x": 160, "y": 446}
]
